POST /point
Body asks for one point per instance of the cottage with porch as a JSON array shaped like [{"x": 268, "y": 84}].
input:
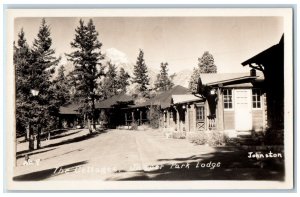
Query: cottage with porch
[
  {"x": 121, "y": 110},
  {"x": 235, "y": 101},
  {"x": 179, "y": 110}
]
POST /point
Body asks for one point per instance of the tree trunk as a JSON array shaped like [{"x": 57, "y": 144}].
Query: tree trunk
[
  {"x": 27, "y": 133},
  {"x": 89, "y": 125},
  {"x": 38, "y": 139},
  {"x": 31, "y": 140},
  {"x": 93, "y": 114}
]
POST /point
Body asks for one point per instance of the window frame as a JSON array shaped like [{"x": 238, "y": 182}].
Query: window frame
[
  {"x": 256, "y": 101},
  {"x": 203, "y": 112},
  {"x": 232, "y": 100}
]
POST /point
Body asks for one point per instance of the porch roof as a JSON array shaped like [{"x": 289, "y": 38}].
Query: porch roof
[
  {"x": 219, "y": 78},
  {"x": 269, "y": 54},
  {"x": 249, "y": 85},
  {"x": 186, "y": 98}
]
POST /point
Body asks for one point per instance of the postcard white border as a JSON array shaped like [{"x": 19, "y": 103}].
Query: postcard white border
[{"x": 286, "y": 13}]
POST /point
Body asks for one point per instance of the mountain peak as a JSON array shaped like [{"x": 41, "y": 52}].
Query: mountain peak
[{"x": 116, "y": 57}]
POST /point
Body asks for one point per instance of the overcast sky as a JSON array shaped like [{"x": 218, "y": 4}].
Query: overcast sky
[{"x": 176, "y": 40}]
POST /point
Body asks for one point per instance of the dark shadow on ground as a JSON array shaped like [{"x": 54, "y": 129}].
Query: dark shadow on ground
[
  {"x": 72, "y": 140},
  {"x": 45, "y": 174},
  {"x": 23, "y": 153},
  {"x": 63, "y": 154},
  {"x": 63, "y": 135},
  {"x": 68, "y": 141},
  {"x": 234, "y": 165},
  {"x": 44, "y": 135}
]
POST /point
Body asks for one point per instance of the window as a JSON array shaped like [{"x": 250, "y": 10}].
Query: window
[
  {"x": 228, "y": 98},
  {"x": 256, "y": 99},
  {"x": 200, "y": 113},
  {"x": 171, "y": 115}
]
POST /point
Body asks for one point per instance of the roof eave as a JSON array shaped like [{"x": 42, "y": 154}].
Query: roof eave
[{"x": 231, "y": 80}]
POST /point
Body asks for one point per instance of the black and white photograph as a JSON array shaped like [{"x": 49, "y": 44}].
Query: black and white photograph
[{"x": 151, "y": 97}]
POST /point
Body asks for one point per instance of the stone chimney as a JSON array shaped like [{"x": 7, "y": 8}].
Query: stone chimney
[{"x": 252, "y": 72}]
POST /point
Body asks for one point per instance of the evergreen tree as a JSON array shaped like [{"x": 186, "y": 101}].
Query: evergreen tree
[
  {"x": 71, "y": 81},
  {"x": 111, "y": 82},
  {"x": 88, "y": 68},
  {"x": 193, "y": 83},
  {"x": 206, "y": 63},
  {"x": 123, "y": 79},
  {"x": 21, "y": 59},
  {"x": 42, "y": 68},
  {"x": 163, "y": 81},
  {"x": 141, "y": 74},
  {"x": 60, "y": 88}
]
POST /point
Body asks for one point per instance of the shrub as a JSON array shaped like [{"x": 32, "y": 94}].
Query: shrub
[
  {"x": 134, "y": 126},
  {"x": 199, "y": 138},
  {"x": 178, "y": 135},
  {"x": 230, "y": 141},
  {"x": 213, "y": 138},
  {"x": 216, "y": 138}
]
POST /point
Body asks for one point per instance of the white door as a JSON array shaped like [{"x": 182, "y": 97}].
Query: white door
[{"x": 243, "y": 110}]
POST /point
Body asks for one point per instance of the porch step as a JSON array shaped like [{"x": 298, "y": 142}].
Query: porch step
[
  {"x": 245, "y": 138},
  {"x": 244, "y": 133}
]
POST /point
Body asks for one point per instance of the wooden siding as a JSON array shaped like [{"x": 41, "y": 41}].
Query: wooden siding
[
  {"x": 257, "y": 120},
  {"x": 228, "y": 120}
]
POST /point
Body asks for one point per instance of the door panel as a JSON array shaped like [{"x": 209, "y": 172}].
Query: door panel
[{"x": 243, "y": 110}]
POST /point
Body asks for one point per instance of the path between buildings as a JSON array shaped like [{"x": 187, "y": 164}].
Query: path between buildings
[{"x": 131, "y": 155}]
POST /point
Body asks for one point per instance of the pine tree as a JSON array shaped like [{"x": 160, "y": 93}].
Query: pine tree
[
  {"x": 141, "y": 74},
  {"x": 88, "y": 68},
  {"x": 43, "y": 67},
  {"x": 163, "y": 81},
  {"x": 71, "y": 80},
  {"x": 206, "y": 63},
  {"x": 193, "y": 83},
  {"x": 21, "y": 58},
  {"x": 34, "y": 69},
  {"x": 60, "y": 88},
  {"x": 123, "y": 79},
  {"x": 111, "y": 83}
]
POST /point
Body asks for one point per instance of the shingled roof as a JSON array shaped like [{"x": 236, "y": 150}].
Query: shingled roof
[
  {"x": 71, "y": 109},
  {"x": 164, "y": 99},
  {"x": 114, "y": 100}
]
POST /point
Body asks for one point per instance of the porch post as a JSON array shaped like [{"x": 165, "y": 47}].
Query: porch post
[
  {"x": 168, "y": 118},
  {"x": 177, "y": 119},
  {"x": 125, "y": 118},
  {"x": 193, "y": 118},
  {"x": 132, "y": 114},
  {"x": 141, "y": 117},
  {"x": 187, "y": 118},
  {"x": 220, "y": 112}
]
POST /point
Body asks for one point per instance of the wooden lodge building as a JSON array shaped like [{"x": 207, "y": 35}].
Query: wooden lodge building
[
  {"x": 226, "y": 101},
  {"x": 69, "y": 116},
  {"x": 121, "y": 110},
  {"x": 234, "y": 101}
]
